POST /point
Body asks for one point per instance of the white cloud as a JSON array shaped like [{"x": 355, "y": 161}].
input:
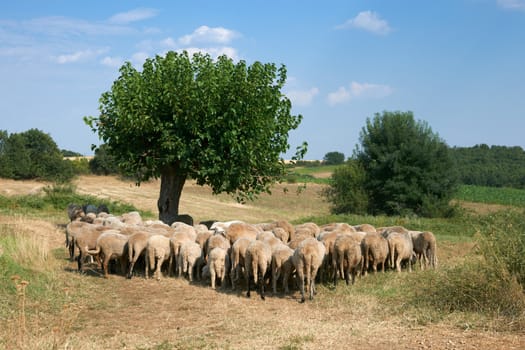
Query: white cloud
[
  {"x": 133, "y": 16},
  {"x": 205, "y": 34},
  {"x": 512, "y": 4},
  {"x": 369, "y": 21},
  {"x": 302, "y": 97},
  {"x": 112, "y": 61},
  {"x": 138, "y": 58},
  {"x": 358, "y": 90},
  {"x": 78, "y": 56},
  {"x": 214, "y": 52}
]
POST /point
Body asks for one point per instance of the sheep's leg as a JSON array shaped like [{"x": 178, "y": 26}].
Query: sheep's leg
[
  {"x": 300, "y": 281},
  {"x": 274, "y": 277},
  {"x": 189, "y": 269},
  {"x": 79, "y": 261},
  {"x": 286, "y": 276},
  {"x": 261, "y": 284},
  {"x": 248, "y": 294},
  {"x": 213, "y": 276},
  {"x": 105, "y": 264}
]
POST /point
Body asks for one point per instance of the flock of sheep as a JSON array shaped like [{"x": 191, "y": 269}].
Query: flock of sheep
[{"x": 260, "y": 254}]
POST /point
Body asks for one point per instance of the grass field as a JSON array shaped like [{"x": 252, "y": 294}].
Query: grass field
[{"x": 46, "y": 304}]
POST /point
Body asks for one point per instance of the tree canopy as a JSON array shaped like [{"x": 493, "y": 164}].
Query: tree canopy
[
  {"x": 32, "y": 154},
  {"x": 221, "y": 123},
  {"x": 408, "y": 167},
  {"x": 334, "y": 158}
]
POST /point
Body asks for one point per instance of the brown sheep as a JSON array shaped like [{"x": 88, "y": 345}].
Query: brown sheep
[
  {"x": 238, "y": 256},
  {"x": 425, "y": 247},
  {"x": 347, "y": 258},
  {"x": 307, "y": 259},
  {"x": 375, "y": 251},
  {"x": 401, "y": 248},
  {"x": 111, "y": 245},
  {"x": 240, "y": 229},
  {"x": 281, "y": 265}
]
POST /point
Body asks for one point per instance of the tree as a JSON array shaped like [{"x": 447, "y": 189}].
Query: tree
[
  {"x": 408, "y": 167},
  {"x": 33, "y": 154},
  {"x": 220, "y": 123},
  {"x": 346, "y": 191},
  {"x": 103, "y": 163},
  {"x": 334, "y": 158}
]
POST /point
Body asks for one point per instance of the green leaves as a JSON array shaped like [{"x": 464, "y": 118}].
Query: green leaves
[
  {"x": 408, "y": 167},
  {"x": 222, "y": 123}
]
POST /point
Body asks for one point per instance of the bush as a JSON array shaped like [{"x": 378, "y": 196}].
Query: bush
[
  {"x": 489, "y": 282},
  {"x": 346, "y": 192}
]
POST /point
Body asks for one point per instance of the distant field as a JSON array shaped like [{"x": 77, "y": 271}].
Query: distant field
[{"x": 492, "y": 195}]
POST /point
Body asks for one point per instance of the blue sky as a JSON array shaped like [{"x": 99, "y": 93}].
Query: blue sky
[{"x": 459, "y": 65}]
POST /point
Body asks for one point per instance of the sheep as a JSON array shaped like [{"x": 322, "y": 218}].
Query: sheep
[
  {"x": 183, "y": 228},
  {"x": 287, "y": 228},
  {"x": 221, "y": 226},
  {"x": 307, "y": 228},
  {"x": 339, "y": 226},
  {"x": 375, "y": 251},
  {"x": 84, "y": 238},
  {"x": 282, "y": 234},
  {"x": 158, "y": 251},
  {"x": 132, "y": 218},
  {"x": 102, "y": 208},
  {"x": 237, "y": 258},
  {"x": 111, "y": 245},
  {"x": 137, "y": 243},
  {"x": 257, "y": 264},
  {"x": 365, "y": 228},
  {"x": 176, "y": 241},
  {"x": 74, "y": 212},
  {"x": 218, "y": 265},
  {"x": 385, "y": 231},
  {"x": 307, "y": 258},
  {"x": 346, "y": 258},
  {"x": 240, "y": 229},
  {"x": 425, "y": 247},
  {"x": 281, "y": 264},
  {"x": 202, "y": 237},
  {"x": 89, "y": 208},
  {"x": 215, "y": 241},
  {"x": 401, "y": 248},
  {"x": 188, "y": 259},
  {"x": 328, "y": 240}
]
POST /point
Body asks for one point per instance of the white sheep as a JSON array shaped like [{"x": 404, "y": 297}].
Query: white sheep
[
  {"x": 307, "y": 259},
  {"x": 158, "y": 251},
  {"x": 257, "y": 263},
  {"x": 188, "y": 259},
  {"x": 218, "y": 265}
]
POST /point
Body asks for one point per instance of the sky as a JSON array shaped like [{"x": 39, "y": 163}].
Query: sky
[{"x": 458, "y": 65}]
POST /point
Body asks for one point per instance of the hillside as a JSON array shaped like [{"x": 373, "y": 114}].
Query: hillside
[{"x": 89, "y": 312}]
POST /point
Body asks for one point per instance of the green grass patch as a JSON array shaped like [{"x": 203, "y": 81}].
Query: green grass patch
[{"x": 492, "y": 195}]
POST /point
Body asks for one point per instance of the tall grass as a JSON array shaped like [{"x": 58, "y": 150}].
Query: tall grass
[{"x": 490, "y": 282}]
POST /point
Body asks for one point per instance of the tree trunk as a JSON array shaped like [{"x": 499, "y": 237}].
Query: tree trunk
[{"x": 171, "y": 184}]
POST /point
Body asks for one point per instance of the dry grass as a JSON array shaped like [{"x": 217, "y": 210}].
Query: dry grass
[{"x": 118, "y": 313}]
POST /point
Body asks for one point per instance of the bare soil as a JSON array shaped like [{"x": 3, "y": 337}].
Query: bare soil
[{"x": 118, "y": 313}]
